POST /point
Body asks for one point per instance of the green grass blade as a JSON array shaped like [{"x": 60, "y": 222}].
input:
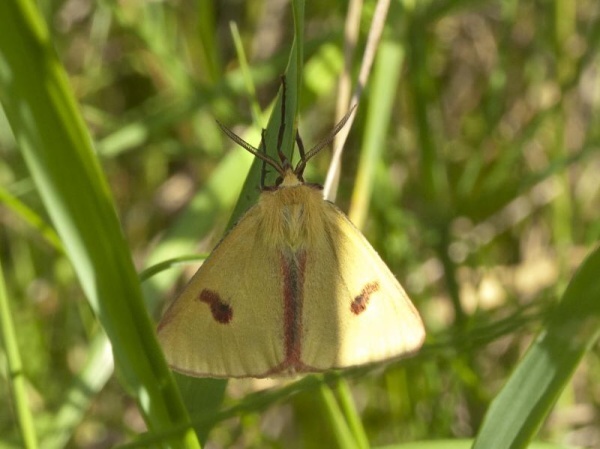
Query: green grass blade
[
  {"x": 57, "y": 149},
  {"x": 338, "y": 423},
  {"x": 388, "y": 64},
  {"x": 15, "y": 368},
  {"x": 348, "y": 407},
  {"x": 153, "y": 270},
  {"x": 31, "y": 218},
  {"x": 245, "y": 69},
  {"x": 524, "y": 402}
]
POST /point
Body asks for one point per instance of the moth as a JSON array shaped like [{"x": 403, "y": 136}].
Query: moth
[{"x": 293, "y": 288}]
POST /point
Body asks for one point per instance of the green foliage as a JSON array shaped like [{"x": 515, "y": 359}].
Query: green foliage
[{"x": 471, "y": 166}]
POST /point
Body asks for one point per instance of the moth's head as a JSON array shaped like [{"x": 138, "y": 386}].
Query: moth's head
[
  {"x": 288, "y": 175},
  {"x": 284, "y": 166},
  {"x": 290, "y": 179}
]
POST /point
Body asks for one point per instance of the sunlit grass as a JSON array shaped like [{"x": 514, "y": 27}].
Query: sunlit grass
[{"x": 472, "y": 167}]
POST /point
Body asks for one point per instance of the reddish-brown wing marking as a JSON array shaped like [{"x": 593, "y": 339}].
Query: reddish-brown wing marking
[
  {"x": 292, "y": 270},
  {"x": 362, "y": 300},
  {"x": 221, "y": 311}
]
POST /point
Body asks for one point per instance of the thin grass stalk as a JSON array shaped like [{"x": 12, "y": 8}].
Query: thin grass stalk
[
  {"x": 375, "y": 32},
  {"x": 341, "y": 430},
  {"x": 15, "y": 370}
]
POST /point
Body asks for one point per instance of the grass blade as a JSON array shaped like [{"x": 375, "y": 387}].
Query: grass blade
[
  {"x": 524, "y": 402},
  {"x": 57, "y": 149},
  {"x": 15, "y": 368}
]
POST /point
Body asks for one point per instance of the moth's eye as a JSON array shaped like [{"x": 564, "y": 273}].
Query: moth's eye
[{"x": 278, "y": 181}]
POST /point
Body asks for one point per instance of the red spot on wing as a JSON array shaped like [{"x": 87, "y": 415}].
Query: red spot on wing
[
  {"x": 221, "y": 311},
  {"x": 360, "y": 303}
]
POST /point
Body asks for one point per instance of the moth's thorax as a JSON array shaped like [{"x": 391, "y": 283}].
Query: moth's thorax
[{"x": 291, "y": 215}]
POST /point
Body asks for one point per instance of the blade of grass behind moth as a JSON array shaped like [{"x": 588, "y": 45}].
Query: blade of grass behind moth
[
  {"x": 57, "y": 150},
  {"x": 243, "y": 61},
  {"x": 250, "y": 190},
  {"x": 524, "y": 402}
]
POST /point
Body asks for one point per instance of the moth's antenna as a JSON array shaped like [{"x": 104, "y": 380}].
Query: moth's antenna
[
  {"x": 300, "y": 146},
  {"x": 299, "y": 170},
  {"x": 324, "y": 142},
  {"x": 263, "y": 146},
  {"x": 241, "y": 142}
]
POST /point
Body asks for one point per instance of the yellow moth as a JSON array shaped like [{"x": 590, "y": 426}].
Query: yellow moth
[{"x": 293, "y": 288}]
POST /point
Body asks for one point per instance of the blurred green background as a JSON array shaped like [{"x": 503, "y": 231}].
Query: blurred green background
[{"x": 472, "y": 167}]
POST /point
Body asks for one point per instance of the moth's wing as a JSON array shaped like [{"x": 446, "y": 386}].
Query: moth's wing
[
  {"x": 354, "y": 310},
  {"x": 228, "y": 320}
]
